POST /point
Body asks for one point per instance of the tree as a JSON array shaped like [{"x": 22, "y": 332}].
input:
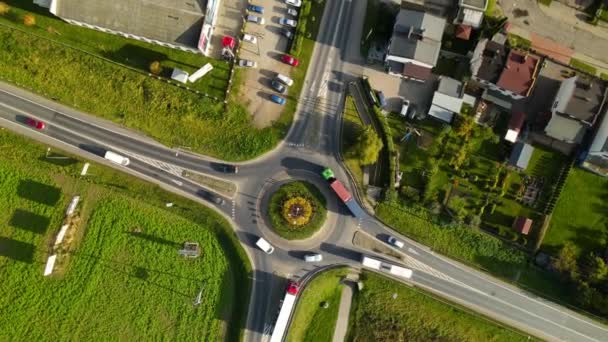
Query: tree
[
  {"x": 458, "y": 206},
  {"x": 466, "y": 124},
  {"x": 4, "y": 8},
  {"x": 29, "y": 20},
  {"x": 369, "y": 146},
  {"x": 596, "y": 269},
  {"x": 566, "y": 260},
  {"x": 460, "y": 157},
  {"x": 155, "y": 67}
]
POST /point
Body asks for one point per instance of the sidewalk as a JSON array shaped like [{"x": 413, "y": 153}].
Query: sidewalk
[{"x": 345, "y": 302}]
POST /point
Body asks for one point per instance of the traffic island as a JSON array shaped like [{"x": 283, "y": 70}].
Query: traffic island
[{"x": 297, "y": 210}]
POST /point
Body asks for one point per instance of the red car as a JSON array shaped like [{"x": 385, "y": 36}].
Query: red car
[
  {"x": 287, "y": 59},
  {"x": 35, "y": 123}
]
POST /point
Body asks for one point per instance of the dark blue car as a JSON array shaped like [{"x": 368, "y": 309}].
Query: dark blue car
[
  {"x": 277, "y": 99},
  {"x": 256, "y": 9}
]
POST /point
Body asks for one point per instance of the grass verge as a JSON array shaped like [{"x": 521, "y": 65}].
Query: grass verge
[
  {"x": 352, "y": 126},
  {"x": 224, "y": 187},
  {"x": 300, "y": 189},
  {"x": 580, "y": 65},
  {"x": 120, "y": 275},
  {"x": 386, "y": 310},
  {"x": 311, "y": 321},
  {"x": 518, "y": 42}
]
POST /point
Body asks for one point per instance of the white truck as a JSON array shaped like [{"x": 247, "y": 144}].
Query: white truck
[{"x": 117, "y": 158}]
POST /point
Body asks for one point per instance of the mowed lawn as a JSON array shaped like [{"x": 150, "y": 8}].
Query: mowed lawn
[
  {"x": 119, "y": 275},
  {"x": 414, "y": 315},
  {"x": 581, "y": 214},
  {"x": 311, "y": 322}
]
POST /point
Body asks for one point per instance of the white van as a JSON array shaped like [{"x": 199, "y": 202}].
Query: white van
[
  {"x": 285, "y": 80},
  {"x": 117, "y": 158},
  {"x": 265, "y": 246}
]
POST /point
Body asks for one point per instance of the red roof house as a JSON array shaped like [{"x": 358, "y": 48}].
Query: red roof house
[
  {"x": 522, "y": 225},
  {"x": 463, "y": 31},
  {"x": 519, "y": 73}
]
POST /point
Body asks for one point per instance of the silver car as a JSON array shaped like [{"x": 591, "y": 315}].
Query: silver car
[
  {"x": 288, "y": 22},
  {"x": 246, "y": 63},
  {"x": 393, "y": 241},
  {"x": 255, "y": 19},
  {"x": 313, "y": 257}
]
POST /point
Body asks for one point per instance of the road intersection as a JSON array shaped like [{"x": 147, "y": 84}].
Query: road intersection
[{"x": 311, "y": 144}]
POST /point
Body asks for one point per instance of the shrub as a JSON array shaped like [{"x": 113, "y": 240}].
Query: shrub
[
  {"x": 29, "y": 20},
  {"x": 4, "y": 8},
  {"x": 410, "y": 193},
  {"x": 156, "y": 68}
]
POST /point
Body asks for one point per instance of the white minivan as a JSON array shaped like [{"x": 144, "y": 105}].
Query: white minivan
[
  {"x": 285, "y": 80},
  {"x": 265, "y": 246}
]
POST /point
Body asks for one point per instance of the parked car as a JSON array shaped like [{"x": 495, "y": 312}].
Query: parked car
[
  {"x": 288, "y": 22},
  {"x": 285, "y": 80},
  {"x": 278, "y": 99},
  {"x": 287, "y": 59},
  {"x": 255, "y": 8},
  {"x": 255, "y": 19},
  {"x": 249, "y": 38},
  {"x": 313, "y": 257},
  {"x": 292, "y": 12},
  {"x": 246, "y": 63},
  {"x": 295, "y": 3},
  {"x": 397, "y": 243},
  {"x": 381, "y": 98},
  {"x": 287, "y": 33},
  {"x": 278, "y": 86},
  {"x": 39, "y": 125},
  {"x": 265, "y": 246},
  {"x": 405, "y": 106}
]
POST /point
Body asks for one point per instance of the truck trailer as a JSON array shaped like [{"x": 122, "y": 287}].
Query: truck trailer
[{"x": 342, "y": 193}]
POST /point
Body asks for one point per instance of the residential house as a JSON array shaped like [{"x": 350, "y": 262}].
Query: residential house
[
  {"x": 575, "y": 109},
  {"x": 448, "y": 99},
  {"x": 439, "y": 8},
  {"x": 414, "y": 47},
  {"x": 469, "y": 17},
  {"x": 520, "y": 156},
  {"x": 507, "y": 76},
  {"x": 596, "y": 159},
  {"x": 184, "y": 25}
]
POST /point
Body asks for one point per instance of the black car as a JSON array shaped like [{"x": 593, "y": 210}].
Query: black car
[
  {"x": 278, "y": 86},
  {"x": 287, "y": 33},
  {"x": 225, "y": 168}
]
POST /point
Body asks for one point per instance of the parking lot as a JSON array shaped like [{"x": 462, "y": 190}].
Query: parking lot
[{"x": 271, "y": 45}]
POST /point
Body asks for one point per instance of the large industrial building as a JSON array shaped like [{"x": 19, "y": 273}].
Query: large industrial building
[{"x": 186, "y": 25}]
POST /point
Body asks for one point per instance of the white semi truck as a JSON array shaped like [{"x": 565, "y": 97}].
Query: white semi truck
[{"x": 117, "y": 158}]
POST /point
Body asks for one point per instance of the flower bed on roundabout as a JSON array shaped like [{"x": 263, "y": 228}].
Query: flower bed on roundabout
[{"x": 297, "y": 210}]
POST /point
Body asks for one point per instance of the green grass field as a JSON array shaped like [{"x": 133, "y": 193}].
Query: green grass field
[
  {"x": 415, "y": 315},
  {"x": 314, "y": 323},
  {"x": 580, "y": 214},
  {"x": 119, "y": 277}
]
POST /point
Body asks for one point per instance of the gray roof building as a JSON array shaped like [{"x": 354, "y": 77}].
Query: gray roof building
[
  {"x": 416, "y": 38},
  {"x": 521, "y": 154},
  {"x": 597, "y": 156},
  {"x": 175, "y": 23}
]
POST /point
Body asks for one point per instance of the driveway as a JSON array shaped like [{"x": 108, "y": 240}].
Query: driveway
[
  {"x": 229, "y": 23},
  {"x": 255, "y": 89},
  {"x": 394, "y": 88}
]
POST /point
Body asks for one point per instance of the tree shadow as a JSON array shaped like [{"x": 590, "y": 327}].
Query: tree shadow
[
  {"x": 135, "y": 56},
  {"x": 58, "y": 160},
  {"x": 29, "y": 221},
  {"x": 155, "y": 239},
  {"x": 17, "y": 250},
  {"x": 39, "y": 192}
]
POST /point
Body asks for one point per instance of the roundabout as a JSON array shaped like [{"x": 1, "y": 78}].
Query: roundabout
[{"x": 297, "y": 210}]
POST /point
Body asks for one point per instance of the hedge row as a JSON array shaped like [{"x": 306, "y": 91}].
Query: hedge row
[{"x": 300, "y": 32}]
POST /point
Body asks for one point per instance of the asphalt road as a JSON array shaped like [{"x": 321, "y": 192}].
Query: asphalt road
[{"x": 312, "y": 143}]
